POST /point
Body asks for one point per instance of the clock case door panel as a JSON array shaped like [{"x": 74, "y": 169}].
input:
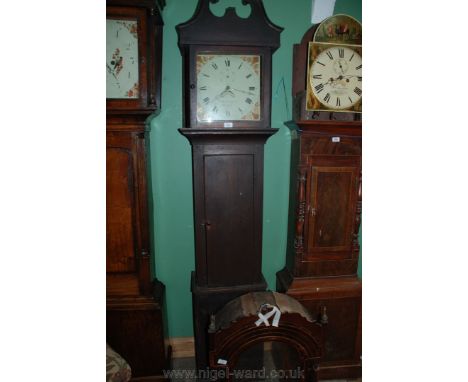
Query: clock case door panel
[
  {"x": 128, "y": 266},
  {"x": 149, "y": 55},
  {"x": 265, "y": 84},
  {"x": 327, "y": 172},
  {"x": 228, "y": 195},
  {"x": 332, "y": 185}
]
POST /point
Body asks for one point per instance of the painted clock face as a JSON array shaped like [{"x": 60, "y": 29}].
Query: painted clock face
[
  {"x": 122, "y": 59},
  {"x": 336, "y": 77},
  {"x": 228, "y": 87}
]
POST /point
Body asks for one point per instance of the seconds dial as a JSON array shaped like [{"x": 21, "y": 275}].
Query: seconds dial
[
  {"x": 228, "y": 87},
  {"x": 336, "y": 77}
]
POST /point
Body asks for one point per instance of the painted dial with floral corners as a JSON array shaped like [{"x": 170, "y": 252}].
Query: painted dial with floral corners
[
  {"x": 122, "y": 59},
  {"x": 228, "y": 87},
  {"x": 336, "y": 77}
]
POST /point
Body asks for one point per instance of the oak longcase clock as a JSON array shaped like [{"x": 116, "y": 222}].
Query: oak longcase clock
[
  {"x": 134, "y": 297},
  {"x": 325, "y": 184},
  {"x": 227, "y": 107}
]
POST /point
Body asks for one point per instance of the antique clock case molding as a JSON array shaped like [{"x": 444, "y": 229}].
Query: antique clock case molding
[
  {"x": 147, "y": 13},
  {"x": 227, "y": 158}
]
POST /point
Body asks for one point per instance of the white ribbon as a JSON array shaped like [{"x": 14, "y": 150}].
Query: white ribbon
[{"x": 263, "y": 318}]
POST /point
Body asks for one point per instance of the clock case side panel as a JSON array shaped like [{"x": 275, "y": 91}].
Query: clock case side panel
[
  {"x": 150, "y": 32},
  {"x": 190, "y": 89}
]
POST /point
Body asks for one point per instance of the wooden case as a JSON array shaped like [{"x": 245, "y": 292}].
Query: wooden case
[
  {"x": 227, "y": 165},
  {"x": 135, "y": 317},
  {"x": 323, "y": 248}
]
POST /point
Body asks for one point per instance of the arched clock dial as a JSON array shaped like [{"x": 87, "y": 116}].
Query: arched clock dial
[
  {"x": 336, "y": 77},
  {"x": 122, "y": 79},
  {"x": 228, "y": 87}
]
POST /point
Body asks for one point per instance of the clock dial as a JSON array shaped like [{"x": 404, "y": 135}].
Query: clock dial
[
  {"x": 336, "y": 77},
  {"x": 228, "y": 87},
  {"x": 122, "y": 79}
]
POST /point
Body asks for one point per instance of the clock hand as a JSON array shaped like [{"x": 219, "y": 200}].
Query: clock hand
[
  {"x": 243, "y": 91},
  {"x": 342, "y": 71},
  {"x": 225, "y": 91},
  {"x": 352, "y": 75}
]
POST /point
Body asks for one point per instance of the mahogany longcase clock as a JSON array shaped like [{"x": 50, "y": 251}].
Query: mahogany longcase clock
[
  {"x": 227, "y": 104},
  {"x": 133, "y": 80},
  {"x": 323, "y": 248}
]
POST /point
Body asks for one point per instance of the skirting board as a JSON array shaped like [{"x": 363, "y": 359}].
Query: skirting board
[{"x": 182, "y": 347}]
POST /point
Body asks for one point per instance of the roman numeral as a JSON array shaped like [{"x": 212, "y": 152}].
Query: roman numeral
[
  {"x": 227, "y": 62},
  {"x": 248, "y": 75},
  {"x": 206, "y": 75},
  {"x": 215, "y": 109},
  {"x": 206, "y": 100},
  {"x": 241, "y": 110},
  {"x": 248, "y": 100},
  {"x": 358, "y": 67},
  {"x": 350, "y": 100},
  {"x": 351, "y": 57},
  {"x": 228, "y": 113},
  {"x": 330, "y": 56},
  {"x": 358, "y": 91},
  {"x": 318, "y": 62},
  {"x": 251, "y": 88},
  {"x": 240, "y": 65},
  {"x": 341, "y": 52},
  {"x": 214, "y": 65},
  {"x": 338, "y": 101},
  {"x": 359, "y": 78},
  {"x": 319, "y": 88},
  {"x": 317, "y": 76},
  {"x": 327, "y": 97},
  {"x": 203, "y": 88}
]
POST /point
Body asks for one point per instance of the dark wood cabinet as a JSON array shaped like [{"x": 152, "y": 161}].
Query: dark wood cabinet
[{"x": 323, "y": 252}]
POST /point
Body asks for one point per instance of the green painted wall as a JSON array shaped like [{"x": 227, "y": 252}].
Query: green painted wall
[{"x": 171, "y": 166}]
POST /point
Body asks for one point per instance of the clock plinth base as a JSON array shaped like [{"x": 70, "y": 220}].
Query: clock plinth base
[
  {"x": 135, "y": 329},
  {"x": 207, "y": 301},
  {"x": 341, "y": 296}
]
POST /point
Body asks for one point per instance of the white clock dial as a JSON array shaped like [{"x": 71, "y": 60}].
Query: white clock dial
[
  {"x": 228, "y": 87},
  {"x": 122, "y": 59},
  {"x": 336, "y": 77}
]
